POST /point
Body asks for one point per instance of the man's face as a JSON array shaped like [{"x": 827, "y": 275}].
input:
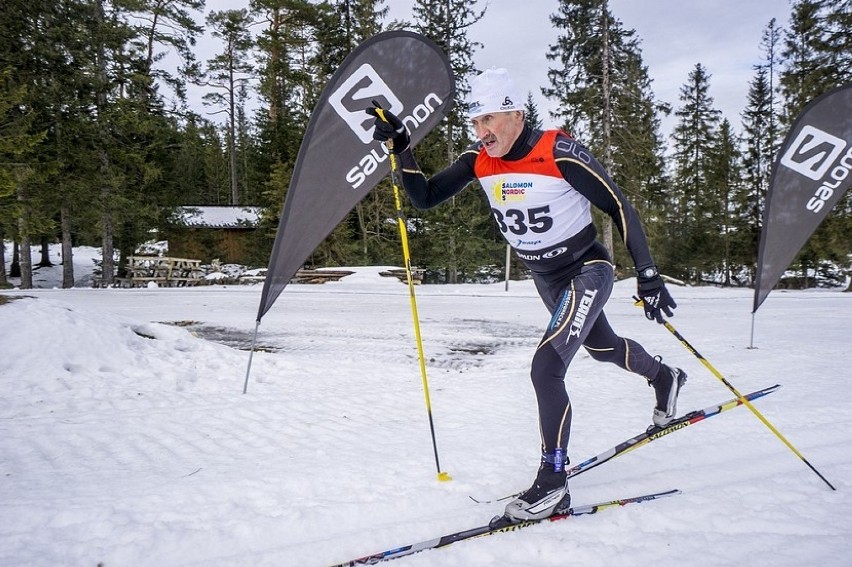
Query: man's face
[{"x": 498, "y": 131}]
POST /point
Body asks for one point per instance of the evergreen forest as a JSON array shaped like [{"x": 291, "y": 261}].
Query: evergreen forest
[{"x": 99, "y": 144}]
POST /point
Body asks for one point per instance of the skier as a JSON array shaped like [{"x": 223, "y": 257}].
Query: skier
[{"x": 541, "y": 185}]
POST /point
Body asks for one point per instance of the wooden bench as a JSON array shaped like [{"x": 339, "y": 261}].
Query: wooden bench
[
  {"x": 303, "y": 276},
  {"x": 318, "y": 276},
  {"x": 399, "y": 273},
  {"x": 172, "y": 272},
  {"x": 163, "y": 271}
]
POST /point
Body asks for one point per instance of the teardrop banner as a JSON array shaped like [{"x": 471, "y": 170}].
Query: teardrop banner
[
  {"x": 812, "y": 173},
  {"x": 339, "y": 162}
]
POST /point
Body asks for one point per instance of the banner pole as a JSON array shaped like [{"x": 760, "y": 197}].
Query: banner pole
[
  {"x": 508, "y": 265},
  {"x": 740, "y": 397},
  {"x": 751, "y": 340},
  {"x": 403, "y": 234},
  {"x": 251, "y": 355}
]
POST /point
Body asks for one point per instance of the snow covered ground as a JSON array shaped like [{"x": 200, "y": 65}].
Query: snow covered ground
[{"x": 125, "y": 438}]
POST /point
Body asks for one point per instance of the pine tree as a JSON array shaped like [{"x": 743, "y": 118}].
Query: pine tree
[
  {"x": 531, "y": 115},
  {"x": 762, "y": 140},
  {"x": 226, "y": 72},
  {"x": 837, "y": 21},
  {"x": 720, "y": 203},
  {"x": 16, "y": 143},
  {"x": 605, "y": 99},
  {"x": 347, "y": 24},
  {"x": 169, "y": 25},
  {"x": 638, "y": 164},
  {"x": 50, "y": 47},
  {"x": 454, "y": 240},
  {"x": 289, "y": 82},
  {"x": 770, "y": 45},
  {"x": 693, "y": 138},
  {"x": 757, "y": 162},
  {"x": 807, "y": 73},
  {"x": 577, "y": 56},
  {"x": 838, "y": 44}
]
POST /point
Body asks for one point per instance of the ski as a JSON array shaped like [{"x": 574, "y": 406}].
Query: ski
[
  {"x": 651, "y": 434},
  {"x": 502, "y": 526}
]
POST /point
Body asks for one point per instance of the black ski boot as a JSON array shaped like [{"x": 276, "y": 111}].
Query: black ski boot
[
  {"x": 667, "y": 384},
  {"x": 548, "y": 493}
]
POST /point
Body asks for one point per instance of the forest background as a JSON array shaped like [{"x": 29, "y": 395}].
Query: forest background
[{"x": 99, "y": 145}]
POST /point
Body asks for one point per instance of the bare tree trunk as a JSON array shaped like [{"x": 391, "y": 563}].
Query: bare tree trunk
[
  {"x": 453, "y": 268},
  {"x": 15, "y": 266},
  {"x": 359, "y": 211},
  {"x": 275, "y": 56},
  {"x": 108, "y": 252},
  {"x": 67, "y": 252},
  {"x": 67, "y": 249},
  {"x": 3, "y": 281},
  {"x": 25, "y": 261},
  {"x": 45, "y": 253},
  {"x": 232, "y": 139},
  {"x": 606, "y": 225}
]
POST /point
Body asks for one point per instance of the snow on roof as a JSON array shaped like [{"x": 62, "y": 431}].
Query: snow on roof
[{"x": 219, "y": 217}]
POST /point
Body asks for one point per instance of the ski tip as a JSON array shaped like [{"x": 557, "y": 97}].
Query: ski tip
[{"x": 444, "y": 477}]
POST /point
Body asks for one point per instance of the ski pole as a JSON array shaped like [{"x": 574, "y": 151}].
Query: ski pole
[
  {"x": 403, "y": 234},
  {"x": 739, "y": 396}
]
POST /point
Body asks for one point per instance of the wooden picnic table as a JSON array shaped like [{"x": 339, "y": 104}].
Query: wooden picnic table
[{"x": 162, "y": 270}]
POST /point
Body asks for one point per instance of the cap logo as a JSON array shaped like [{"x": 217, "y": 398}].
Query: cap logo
[{"x": 492, "y": 91}]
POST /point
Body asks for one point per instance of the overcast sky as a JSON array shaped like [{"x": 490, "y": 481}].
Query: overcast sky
[{"x": 723, "y": 35}]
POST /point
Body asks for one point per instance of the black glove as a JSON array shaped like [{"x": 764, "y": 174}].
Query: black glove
[
  {"x": 655, "y": 296},
  {"x": 389, "y": 127}
]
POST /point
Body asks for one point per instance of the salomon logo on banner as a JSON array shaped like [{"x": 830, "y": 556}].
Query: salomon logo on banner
[
  {"x": 350, "y": 99},
  {"x": 813, "y": 152}
]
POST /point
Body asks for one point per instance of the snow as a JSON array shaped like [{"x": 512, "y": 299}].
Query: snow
[{"x": 126, "y": 439}]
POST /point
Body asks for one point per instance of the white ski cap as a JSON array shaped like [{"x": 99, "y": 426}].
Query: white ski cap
[{"x": 493, "y": 91}]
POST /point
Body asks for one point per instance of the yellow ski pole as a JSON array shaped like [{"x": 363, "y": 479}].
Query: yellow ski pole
[
  {"x": 403, "y": 234},
  {"x": 739, "y": 396}
]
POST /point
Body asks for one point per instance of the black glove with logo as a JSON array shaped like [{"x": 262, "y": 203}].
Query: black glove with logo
[
  {"x": 655, "y": 297},
  {"x": 389, "y": 127}
]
